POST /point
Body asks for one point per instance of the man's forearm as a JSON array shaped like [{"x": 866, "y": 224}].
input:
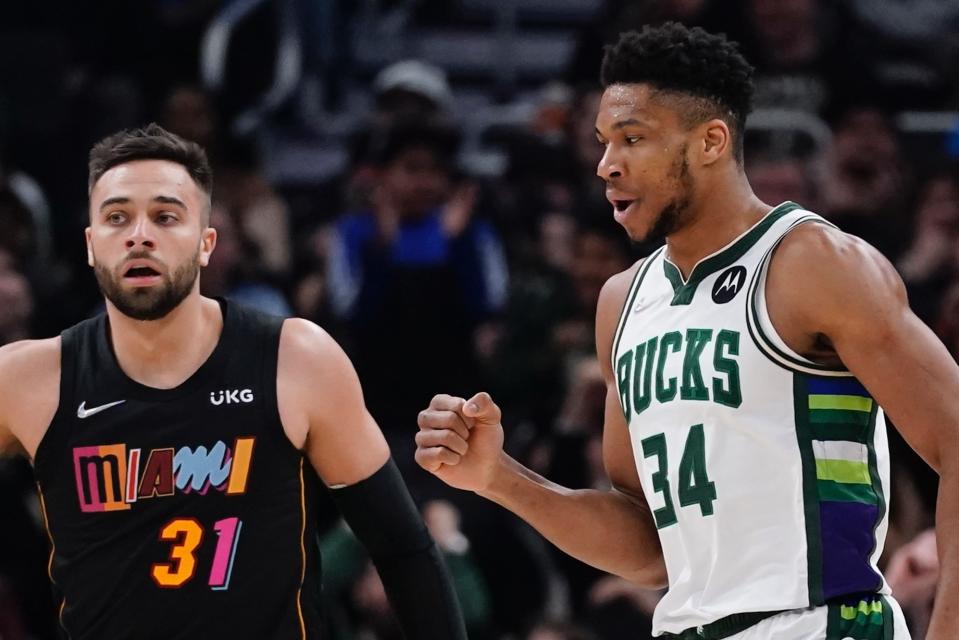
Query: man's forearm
[
  {"x": 605, "y": 529},
  {"x": 945, "y": 617},
  {"x": 382, "y": 515}
]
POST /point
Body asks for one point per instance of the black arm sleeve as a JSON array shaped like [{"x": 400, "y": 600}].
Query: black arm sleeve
[{"x": 381, "y": 513}]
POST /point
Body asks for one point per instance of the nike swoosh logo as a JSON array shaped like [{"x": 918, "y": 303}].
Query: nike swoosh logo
[{"x": 83, "y": 412}]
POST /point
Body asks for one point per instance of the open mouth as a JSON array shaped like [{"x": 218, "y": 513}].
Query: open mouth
[
  {"x": 622, "y": 205},
  {"x": 140, "y": 272}
]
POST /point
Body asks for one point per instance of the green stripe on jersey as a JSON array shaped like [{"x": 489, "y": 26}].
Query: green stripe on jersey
[
  {"x": 871, "y": 619},
  {"x": 839, "y": 416},
  {"x": 830, "y": 491},
  {"x": 849, "y": 403},
  {"x": 844, "y": 471},
  {"x": 849, "y": 432}
]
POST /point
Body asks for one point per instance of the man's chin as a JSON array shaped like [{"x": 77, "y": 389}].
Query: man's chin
[
  {"x": 143, "y": 313},
  {"x": 145, "y": 304}
]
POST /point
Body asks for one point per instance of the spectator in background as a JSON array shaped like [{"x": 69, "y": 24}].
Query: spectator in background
[
  {"x": 261, "y": 215},
  {"x": 419, "y": 246},
  {"x": 349, "y": 577},
  {"x": 807, "y": 55},
  {"x": 548, "y": 324},
  {"x": 410, "y": 89},
  {"x": 931, "y": 261},
  {"x": 865, "y": 185},
  {"x": 913, "y": 575},
  {"x": 227, "y": 273},
  {"x": 406, "y": 91},
  {"x": 16, "y": 302},
  {"x": 777, "y": 178},
  {"x": 25, "y": 603},
  {"x": 17, "y": 232}
]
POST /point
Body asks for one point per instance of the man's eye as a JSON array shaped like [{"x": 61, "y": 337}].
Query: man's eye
[
  {"x": 633, "y": 139},
  {"x": 116, "y": 218}
]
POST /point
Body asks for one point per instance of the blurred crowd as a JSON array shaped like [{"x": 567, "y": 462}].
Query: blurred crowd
[{"x": 438, "y": 276}]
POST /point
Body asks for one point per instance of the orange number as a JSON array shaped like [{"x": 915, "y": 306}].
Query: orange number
[{"x": 187, "y": 534}]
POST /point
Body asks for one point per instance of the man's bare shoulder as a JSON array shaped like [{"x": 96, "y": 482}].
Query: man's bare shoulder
[
  {"x": 29, "y": 391},
  {"x": 612, "y": 297},
  {"x": 24, "y": 362},
  {"x": 609, "y": 308},
  {"x": 311, "y": 362},
  {"x": 824, "y": 257},
  {"x": 825, "y": 277},
  {"x": 304, "y": 344}
]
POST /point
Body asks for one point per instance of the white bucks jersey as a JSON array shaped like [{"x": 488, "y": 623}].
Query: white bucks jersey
[{"x": 766, "y": 473}]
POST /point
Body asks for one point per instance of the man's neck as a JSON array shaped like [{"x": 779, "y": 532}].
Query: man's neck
[
  {"x": 716, "y": 218},
  {"x": 166, "y": 352}
]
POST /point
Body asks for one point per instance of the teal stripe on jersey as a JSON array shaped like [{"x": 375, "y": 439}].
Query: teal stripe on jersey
[
  {"x": 831, "y": 491},
  {"x": 839, "y": 417},
  {"x": 842, "y": 492},
  {"x": 850, "y": 432}
]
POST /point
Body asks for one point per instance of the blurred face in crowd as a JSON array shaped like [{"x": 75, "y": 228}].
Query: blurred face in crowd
[
  {"x": 778, "y": 20},
  {"x": 645, "y": 165},
  {"x": 597, "y": 258},
  {"x": 16, "y": 302},
  {"x": 148, "y": 236},
  {"x": 778, "y": 180},
  {"x": 584, "y": 134},
  {"x": 188, "y": 113},
  {"x": 864, "y": 143},
  {"x": 218, "y": 274},
  {"x": 415, "y": 181}
]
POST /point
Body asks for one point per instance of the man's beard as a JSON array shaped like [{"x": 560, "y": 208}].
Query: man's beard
[
  {"x": 148, "y": 303},
  {"x": 673, "y": 215}
]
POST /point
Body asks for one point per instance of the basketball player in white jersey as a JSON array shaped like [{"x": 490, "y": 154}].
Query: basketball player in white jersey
[{"x": 746, "y": 362}]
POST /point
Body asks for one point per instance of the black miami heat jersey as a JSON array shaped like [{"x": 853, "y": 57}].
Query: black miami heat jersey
[{"x": 179, "y": 513}]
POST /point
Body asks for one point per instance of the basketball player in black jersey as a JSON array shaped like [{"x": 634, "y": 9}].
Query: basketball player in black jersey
[{"x": 177, "y": 439}]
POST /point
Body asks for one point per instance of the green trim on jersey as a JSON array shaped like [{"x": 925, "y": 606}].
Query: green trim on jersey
[
  {"x": 870, "y": 619},
  {"x": 766, "y": 345},
  {"x": 840, "y": 465},
  {"x": 810, "y": 491},
  {"x": 683, "y": 291},
  {"x": 624, "y": 314}
]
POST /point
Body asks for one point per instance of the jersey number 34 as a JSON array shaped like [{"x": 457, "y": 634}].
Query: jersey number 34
[{"x": 695, "y": 487}]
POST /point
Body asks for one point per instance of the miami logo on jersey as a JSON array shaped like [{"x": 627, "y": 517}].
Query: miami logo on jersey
[{"x": 109, "y": 478}]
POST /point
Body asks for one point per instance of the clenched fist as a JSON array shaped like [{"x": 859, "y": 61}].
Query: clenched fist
[{"x": 460, "y": 441}]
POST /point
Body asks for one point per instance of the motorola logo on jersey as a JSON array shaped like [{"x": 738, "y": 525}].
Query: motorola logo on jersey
[
  {"x": 728, "y": 284},
  {"x": 231, "y": 396}
]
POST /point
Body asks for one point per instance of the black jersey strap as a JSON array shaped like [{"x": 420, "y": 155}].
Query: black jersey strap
[{"x": 382, "y": 515}]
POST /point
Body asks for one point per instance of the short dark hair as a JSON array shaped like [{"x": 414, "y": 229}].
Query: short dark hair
[
  {"x": 151, "y": 142},
  {"x": 675, "y": 58}
]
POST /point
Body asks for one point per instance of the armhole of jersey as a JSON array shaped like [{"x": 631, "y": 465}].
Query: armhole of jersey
[
  {"x": 272, "y": 330},
  {"x": 628, "y": 301},
  {"x": 760, "y": 325},
  {"x": 65, "y": 391}
]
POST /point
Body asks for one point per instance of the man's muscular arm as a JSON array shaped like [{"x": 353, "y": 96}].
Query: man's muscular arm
[
  {"x": 323, "y": 412},
  {"x": 852, "y": 296},
  {"x": 29, "y": 393},
  {"x": 461, "y": 442}
]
